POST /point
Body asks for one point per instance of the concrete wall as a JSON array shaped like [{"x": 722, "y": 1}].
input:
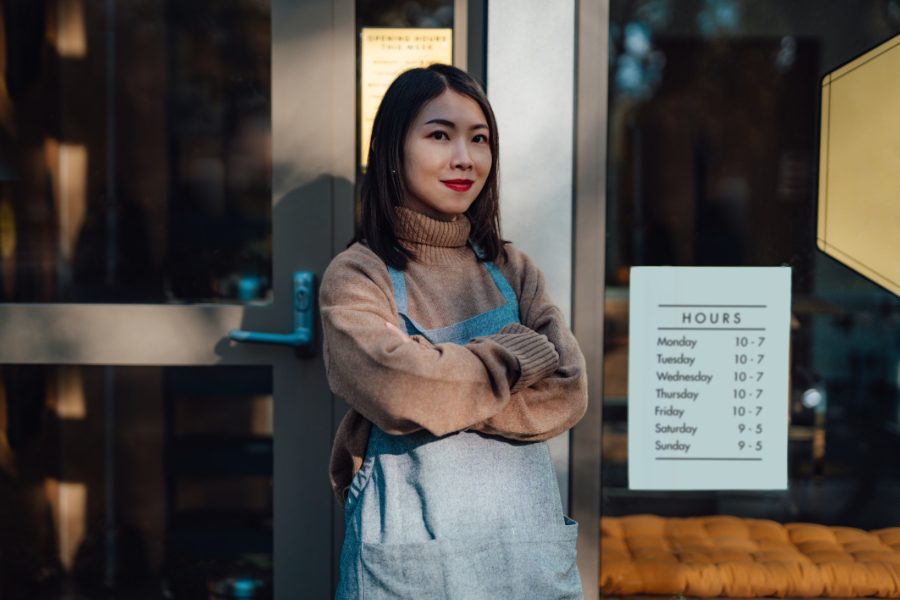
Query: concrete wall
[{"x": 531, "y": 84}]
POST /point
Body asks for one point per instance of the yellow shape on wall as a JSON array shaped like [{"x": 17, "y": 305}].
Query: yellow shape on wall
[{"x": 859, "y": 165}]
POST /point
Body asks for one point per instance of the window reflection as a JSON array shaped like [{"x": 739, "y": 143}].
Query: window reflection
[
  {"x": 142, "y": 480},
  {"x": 135, "y": 160},
  {"x": 713, "y": 150},
  {"x": 404, "y": 13}
]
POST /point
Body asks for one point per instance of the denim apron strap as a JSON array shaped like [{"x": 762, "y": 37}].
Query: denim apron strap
[
  {"x": 401, "y": 299},
  {"x": 499, "y": 280},
  {"x": 503, "y": 285},
  {"x": 399, "y": 284}
]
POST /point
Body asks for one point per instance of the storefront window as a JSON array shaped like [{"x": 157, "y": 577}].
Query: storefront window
[
  {"x": 149, "y": 481},
  {"x": 135, "y": 152},
  {"x": 713, "y": 159}
]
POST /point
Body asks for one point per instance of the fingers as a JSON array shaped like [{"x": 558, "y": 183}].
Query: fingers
[{"x": 396, "y": 329}]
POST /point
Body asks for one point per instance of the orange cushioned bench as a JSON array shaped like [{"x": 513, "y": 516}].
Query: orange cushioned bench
[{"x": 730, "y": 556}]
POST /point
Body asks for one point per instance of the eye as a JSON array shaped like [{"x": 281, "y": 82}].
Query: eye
[
  {"x": 480, "y": 139},
  {"x": 439, "y": 135}
]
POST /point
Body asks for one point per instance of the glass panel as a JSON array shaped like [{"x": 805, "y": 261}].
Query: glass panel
[
  {"x": 713, "y": 153},
  {"x": 404, "y": 13},
  {"x": 135, "y": 158},
  {"x": 147, "y": 481}
]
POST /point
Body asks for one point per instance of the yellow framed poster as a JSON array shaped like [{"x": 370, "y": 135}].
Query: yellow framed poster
[{"x": 387, "y": 52}]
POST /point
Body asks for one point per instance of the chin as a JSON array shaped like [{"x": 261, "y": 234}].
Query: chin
[
  {"x": 458, "y": 207},
  {"x": 455, "y": 212}
]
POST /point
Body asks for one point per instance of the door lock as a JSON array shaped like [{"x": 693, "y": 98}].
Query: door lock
[{"x": 302, "y": 338}]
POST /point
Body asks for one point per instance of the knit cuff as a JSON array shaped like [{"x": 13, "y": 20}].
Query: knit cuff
[{"x": 537, "y": 356}]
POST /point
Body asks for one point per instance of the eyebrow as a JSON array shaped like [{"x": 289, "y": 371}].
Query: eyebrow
[{"x": 452, "y": 125}]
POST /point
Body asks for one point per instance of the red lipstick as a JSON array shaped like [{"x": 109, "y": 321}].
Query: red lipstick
[{"x": 458, "y": 185}]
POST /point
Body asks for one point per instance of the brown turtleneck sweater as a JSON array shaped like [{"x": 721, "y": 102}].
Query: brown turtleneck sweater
[{"x": 526, "y": 382}]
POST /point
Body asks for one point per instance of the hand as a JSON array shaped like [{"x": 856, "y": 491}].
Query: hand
[{"x": 398, "y": 331}]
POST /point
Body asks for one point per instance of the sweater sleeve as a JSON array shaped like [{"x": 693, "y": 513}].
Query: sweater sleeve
[
  {"x": 537, "y": 356},
  {"x": 556, "y": 401},
  {"x": 406, "y": 384}
]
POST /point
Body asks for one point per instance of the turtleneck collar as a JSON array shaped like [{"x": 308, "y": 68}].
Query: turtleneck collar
[{"x": 433, "y": 241}]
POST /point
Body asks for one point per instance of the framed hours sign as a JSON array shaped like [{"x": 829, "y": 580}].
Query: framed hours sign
[{"x": 708, "y": 378}]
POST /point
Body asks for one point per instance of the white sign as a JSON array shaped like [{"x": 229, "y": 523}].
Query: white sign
[{"x": 708, "y": 378}]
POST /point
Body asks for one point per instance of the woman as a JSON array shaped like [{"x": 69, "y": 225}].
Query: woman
[{"x": 456, "y": 364}]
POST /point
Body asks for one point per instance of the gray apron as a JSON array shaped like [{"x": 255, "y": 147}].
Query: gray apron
[{"x": 465, "y": 516}]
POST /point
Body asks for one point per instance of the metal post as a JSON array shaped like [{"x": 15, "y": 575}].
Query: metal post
[{"x": 592, "y": 27}]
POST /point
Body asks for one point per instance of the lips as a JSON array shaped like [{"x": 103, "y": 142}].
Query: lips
[{"x": 458, "y": 185}]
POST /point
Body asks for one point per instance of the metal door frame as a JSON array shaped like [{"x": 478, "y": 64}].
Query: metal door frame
[
  {"x": 592, "y": 51},
  {"x": 314, "y": 137}
]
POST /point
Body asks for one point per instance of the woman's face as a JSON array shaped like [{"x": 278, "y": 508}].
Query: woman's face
[{"x": 447, "y": 156}]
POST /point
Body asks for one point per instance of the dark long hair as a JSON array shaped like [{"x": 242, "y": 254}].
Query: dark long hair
[{"x": 384, "y": 186}]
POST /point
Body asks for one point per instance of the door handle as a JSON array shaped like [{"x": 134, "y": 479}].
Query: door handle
[{"x": 302, "y": 338}]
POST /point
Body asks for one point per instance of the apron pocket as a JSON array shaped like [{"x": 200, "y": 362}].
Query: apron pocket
[
  {"x": 533, "y": 562},
  {"x": 395, "y": 571}
]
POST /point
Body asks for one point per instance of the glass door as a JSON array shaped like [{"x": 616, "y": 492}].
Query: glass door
[
  {"x": 715, "y": 159},
  {"x": 166, "y": 171}
]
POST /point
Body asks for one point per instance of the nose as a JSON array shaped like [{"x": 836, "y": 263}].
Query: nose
[{"x": 462, "y": 159}]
